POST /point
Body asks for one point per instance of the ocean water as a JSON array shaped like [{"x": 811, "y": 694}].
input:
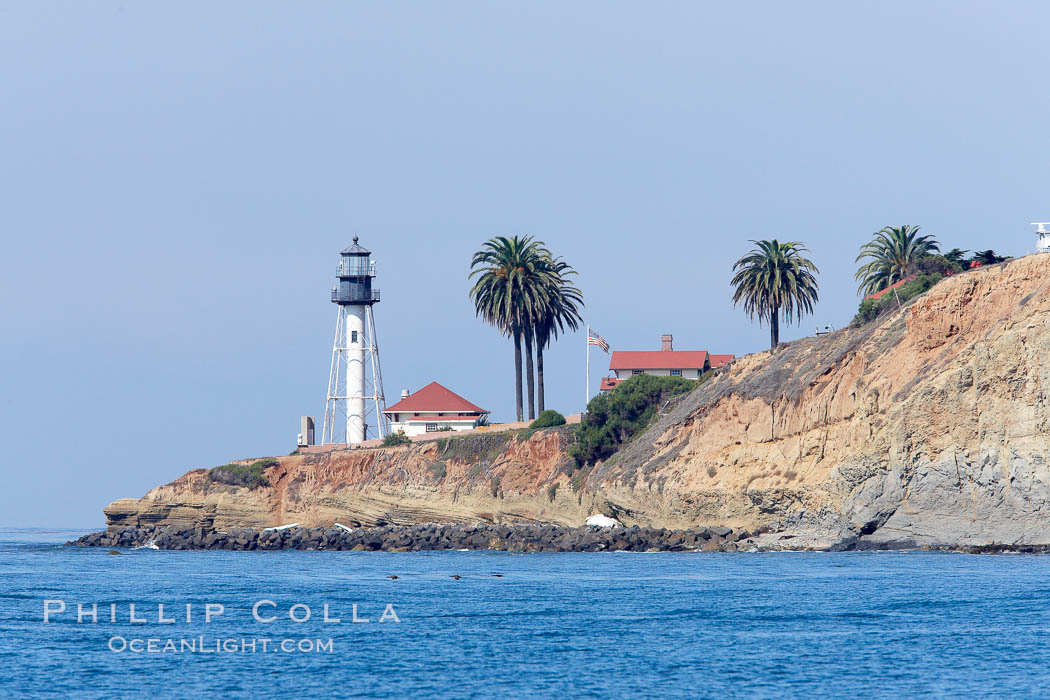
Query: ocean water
[{"x": 880, "y": 624}]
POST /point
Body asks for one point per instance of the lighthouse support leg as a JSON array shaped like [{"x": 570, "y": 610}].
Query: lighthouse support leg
[{"x": 335, "y": 390}]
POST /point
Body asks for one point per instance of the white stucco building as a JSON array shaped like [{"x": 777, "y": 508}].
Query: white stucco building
[{"x": 432, "y": 409}]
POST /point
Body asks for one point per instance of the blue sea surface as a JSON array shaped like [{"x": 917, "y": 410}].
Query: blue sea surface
[{"x": 884, "y": 624}]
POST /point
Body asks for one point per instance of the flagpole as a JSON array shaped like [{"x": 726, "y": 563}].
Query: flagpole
[{"x": 588, "y": 396}]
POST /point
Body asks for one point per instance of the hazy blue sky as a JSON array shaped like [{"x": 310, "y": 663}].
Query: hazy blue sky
[{"x": 177, "y": 179}]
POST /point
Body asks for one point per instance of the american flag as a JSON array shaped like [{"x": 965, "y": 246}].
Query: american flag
[{"x": 595, "y": 339}]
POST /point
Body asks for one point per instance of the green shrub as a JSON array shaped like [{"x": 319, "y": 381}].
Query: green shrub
[
  {"x": 395, "y": 439},
  {"x": 614, "y": 417},
  {"x": 247, "y": 475},
  {"x": 938, "y": 265},
  {"x": 547, "y": 419},
  {"x": 871, "y": 309}
]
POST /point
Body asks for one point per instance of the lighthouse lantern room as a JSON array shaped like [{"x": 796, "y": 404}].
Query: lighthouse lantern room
[{"x": 355, "y": 382}]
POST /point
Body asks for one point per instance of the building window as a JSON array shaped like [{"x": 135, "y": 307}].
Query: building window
[
  {"x": 636, "y": 371},
  {"x": 432, "y": 427},
  {"x": 676, "y": 373},
  {"x": 353, "y": 336}
]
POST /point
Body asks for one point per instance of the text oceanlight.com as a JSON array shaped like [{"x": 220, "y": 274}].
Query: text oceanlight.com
[
  {"x": 262, "y": 612},
  {"x": 228, "y": 645}
]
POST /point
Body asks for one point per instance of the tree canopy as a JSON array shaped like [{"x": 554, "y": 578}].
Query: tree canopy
[{"x": 775, "y": 281}]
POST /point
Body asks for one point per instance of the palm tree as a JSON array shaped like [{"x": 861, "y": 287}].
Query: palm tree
[
  {"x": 775, "y": 281},
  {"x": 891, "y": 257},
  {"x": 987, "y": 257},
  {"x": 562, "y": 311},
  {"x": 510, "y": 291}
]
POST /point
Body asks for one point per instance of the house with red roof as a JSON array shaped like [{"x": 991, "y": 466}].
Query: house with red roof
[
  {"x": 886, "y": 290},
  {"x": 665, "y": 362},
  {"x": 432, "y": 409},
  {"x": 717, "y": 361}
]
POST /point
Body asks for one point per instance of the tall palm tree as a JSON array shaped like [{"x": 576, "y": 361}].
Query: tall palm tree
[
  {"x": 773, "y": 281},
  {"x": 562, "y": 311},
  {"x": 891, "y": 256},
  {"x": 510, "y": 292}
]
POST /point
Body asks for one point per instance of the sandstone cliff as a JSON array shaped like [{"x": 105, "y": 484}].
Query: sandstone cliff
[{"x": 928, "y": 427}]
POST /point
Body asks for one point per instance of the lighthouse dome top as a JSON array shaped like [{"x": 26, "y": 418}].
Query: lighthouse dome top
[{"x": 355, "y": 249}]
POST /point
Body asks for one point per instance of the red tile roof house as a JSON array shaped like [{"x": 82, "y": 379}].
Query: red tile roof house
[
  {"x": 665, "y": 362},
  {"x": 886, "y": 290},
  {"x": 432, "y": 409}
]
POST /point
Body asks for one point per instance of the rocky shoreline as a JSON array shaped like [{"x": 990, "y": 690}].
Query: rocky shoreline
[
  {"x": 427, "y": 537},
  {"x": 508, "y": 538}
]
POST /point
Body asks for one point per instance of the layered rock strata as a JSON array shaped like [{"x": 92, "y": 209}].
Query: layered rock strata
[{"x": 928, "y": 427}]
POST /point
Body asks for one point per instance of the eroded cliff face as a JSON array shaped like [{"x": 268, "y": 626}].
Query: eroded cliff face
[
  {"x": 929, "y": 427},
  {"x": 490, "y": 477}
]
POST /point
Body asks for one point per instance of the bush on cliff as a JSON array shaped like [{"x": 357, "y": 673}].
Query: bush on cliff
[
  {"x": 247, "y": 475},
  {"x": 871, "y": 309},
  {"x": 395, "y": 439},
  {"x": 938, "y": 265},
  {"x": 547, "y": 419},
  {"x": 614, "y": 417}
]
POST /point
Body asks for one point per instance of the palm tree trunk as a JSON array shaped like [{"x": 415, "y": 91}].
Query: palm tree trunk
[
  {"x": 539, "y": 375},
  {"x": 529, "y": 373},
  {"x": 517, "y": 373},
  {"x": 774, "y": 328}
]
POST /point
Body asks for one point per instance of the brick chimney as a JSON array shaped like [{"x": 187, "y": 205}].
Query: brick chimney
[{"x": 666, "y": 341}]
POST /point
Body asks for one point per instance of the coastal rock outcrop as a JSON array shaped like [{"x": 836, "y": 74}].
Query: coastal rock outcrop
[
  {"x": 428, "y": 537},
  {"x": 928, "y": 427},
  {"x": 486, "y": 477}
]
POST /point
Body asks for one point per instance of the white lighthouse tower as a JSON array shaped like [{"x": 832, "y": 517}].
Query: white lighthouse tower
[
  {"x": 355, "y": 382},
  {"x": 1042, "y": 244}
]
